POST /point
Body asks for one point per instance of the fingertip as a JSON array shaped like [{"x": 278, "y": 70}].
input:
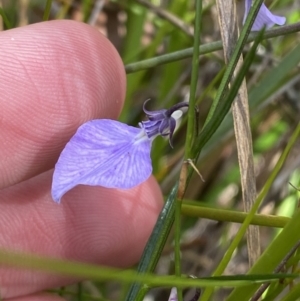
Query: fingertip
[
  {"x": 55, "y": 76},
  {"x": 149, "y": 202},
  {"x": 92, "y": 224},
  {"x": 129, "y": 214}
]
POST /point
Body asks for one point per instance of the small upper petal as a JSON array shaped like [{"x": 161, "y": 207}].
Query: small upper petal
[
  {"x": 263, "y": 18},
  {"x": 154, "y": 115},
  {"x": 102, "y": 152},
  {"x": 162, "y": 122}
]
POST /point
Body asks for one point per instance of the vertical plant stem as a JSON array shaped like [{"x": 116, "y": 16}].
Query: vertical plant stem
[
  {"x": 240, "y": 111},
  {"x": 154, "y": 246},
  {"x": 1, "y": 18},
  {"x": 189, "y": 140},
  {"x": 193, "y": 87},
  {"x": 47, "y": 10},
  {"x": 191, "y": 128},
  {"x": 180, "y": 194},
  {"x": 4, "y": 17}
]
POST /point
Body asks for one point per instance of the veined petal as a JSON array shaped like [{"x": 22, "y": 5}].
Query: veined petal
[
  {"x": 103, "y": 152},
  {"x": 263, "y": 18}
]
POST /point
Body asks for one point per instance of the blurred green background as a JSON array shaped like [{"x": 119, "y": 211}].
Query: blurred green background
[{"x": 143, "y": 30}]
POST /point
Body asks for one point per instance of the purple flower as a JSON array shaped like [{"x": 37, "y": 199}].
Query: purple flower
[
  {"x": 263, "y": 18},
  {"x": 173, "y": 295},
  {"x": 112, "y": 154},
  {"x": 162, "y": 122}
]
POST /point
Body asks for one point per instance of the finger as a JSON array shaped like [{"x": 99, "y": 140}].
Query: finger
[
  {"x": 54, "y": 76},
  {"x": 92, "y": 224}
]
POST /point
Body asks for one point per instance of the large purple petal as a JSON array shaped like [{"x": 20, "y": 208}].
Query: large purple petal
[
  {"x": 263, "y": 18},
  {"x": 102, "y": 152}
]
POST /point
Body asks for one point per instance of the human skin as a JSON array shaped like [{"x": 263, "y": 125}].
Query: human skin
[{"x": 55, "y": 76}]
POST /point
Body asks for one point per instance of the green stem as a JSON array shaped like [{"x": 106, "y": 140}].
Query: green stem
[
  {"x": 189, "y": 137},
  {"x": 5, "y": 19},
  {"x": 204, "y": 49},
  {"x": 194, "y": 80},
  {"x": 47, "y": 10},
  {"x": 177, "y": 245},
  {"x": 154, "y": 245},
  {"x": 101, "y": 273},
  {"x": 197, "y": 210}
]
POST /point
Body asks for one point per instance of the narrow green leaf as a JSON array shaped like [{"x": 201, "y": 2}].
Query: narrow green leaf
[
  {"x": 93, "y": 272},
  {"x": 242, "y": 40},
  {"x": 154, "y": 245},
  {"x": 190, "y": 136},
  {"x": 204, "y": 49},
  {"x": 86, "y": 7},
  {"x": 200, "y": 210},
  {"x": 47, "y": 10},
  {"x": 5, "y": 19}
]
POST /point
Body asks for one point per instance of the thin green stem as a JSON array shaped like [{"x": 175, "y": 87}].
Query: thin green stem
[
  {"x": 189, "y": 137},
  {"x": 195, "y": 209},
  {"x": 177, "y": 244},
  {"x": 204, "y": 49},
  {"x": 155, "y": 245},
  {"x": 47, "y": 10},
  {"x": 193, "y": 87},
  {"x": 97, "y": 273},
  {"x": 5, "y": 19}
]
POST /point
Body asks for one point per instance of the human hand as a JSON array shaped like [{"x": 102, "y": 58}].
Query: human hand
[{"x": 55, "y": 76}]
